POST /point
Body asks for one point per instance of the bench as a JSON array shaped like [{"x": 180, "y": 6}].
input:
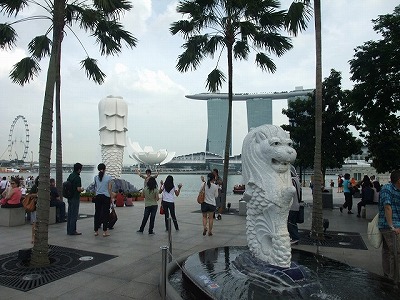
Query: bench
[
  {"x": 369, "y": 211},
  {"x": 52, "y": 215},
  {"x": 12, "y": 216}
]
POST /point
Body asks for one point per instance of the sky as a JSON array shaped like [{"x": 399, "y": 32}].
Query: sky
[{"x": 146, "y": 77}]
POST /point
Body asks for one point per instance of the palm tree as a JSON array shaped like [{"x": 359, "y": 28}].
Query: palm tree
[
  {"x": 101, "y": 20},
  {"x": 237, "y": 26},
  {"x": 316, "y": 225}
]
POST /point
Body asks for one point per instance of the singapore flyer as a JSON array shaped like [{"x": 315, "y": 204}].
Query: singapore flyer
[{"x": 18, "y": 139}]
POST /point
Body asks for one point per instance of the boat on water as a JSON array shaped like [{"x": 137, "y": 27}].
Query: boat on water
[{"x": 239, "y": 189}]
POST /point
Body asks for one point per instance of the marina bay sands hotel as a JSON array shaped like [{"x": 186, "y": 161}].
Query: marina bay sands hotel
[{"x": 259, "y": 112}]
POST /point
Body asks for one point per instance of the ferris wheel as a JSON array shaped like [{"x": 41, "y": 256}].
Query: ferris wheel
[{"x": 18, "y": 139}]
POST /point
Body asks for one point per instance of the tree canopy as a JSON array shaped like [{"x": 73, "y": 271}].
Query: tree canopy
[
  {"x": 375, "y": 98},
  {"x": 338, "y": 143}
]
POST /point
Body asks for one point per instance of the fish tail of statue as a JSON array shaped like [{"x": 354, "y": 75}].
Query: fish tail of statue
[{"x": 113, "y": 156}]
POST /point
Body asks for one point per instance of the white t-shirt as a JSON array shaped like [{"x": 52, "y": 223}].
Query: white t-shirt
[
  {"x": 211, "y": 193},
  {"x": 168, "y": 197}
]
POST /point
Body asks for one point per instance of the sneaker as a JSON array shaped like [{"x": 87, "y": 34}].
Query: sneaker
[
  {"x": 294, "y": 242},
  {"x": 341, "y": 209},
  {"x": 139, "y": 231},
  {"x": 152, "y": 232},
  {"x": 350, "y": 213},
  {"x": 358, "y": 216}
]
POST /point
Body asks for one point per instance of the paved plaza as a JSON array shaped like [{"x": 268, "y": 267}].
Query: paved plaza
[{"x": 135, "y": 272}]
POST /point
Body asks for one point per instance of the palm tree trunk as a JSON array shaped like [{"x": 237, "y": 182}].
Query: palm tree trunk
[
  {"x": 40, "y": 256},
  {"x": 228, "y": 140},
  {"x": 317, "y": 216},
  {"x": 59, "y": 168}
]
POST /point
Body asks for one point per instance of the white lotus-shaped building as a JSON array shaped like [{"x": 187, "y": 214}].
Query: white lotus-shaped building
[{"x": 149, "y": 156}]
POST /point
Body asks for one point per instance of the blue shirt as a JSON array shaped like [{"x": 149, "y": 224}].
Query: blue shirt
[
  {"x": 389, "y": 195},
  {"x": 346, "y": 184},
  {"x": 102, "y": 186}
]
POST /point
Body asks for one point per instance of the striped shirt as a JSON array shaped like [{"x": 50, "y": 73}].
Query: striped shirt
[{"x": 389, "y": 195}]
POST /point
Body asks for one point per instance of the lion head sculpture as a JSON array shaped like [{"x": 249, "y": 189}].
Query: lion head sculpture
[{"x": 267, "y": 151}]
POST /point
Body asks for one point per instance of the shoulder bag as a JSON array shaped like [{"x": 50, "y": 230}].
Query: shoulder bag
[
  {"x": 29, "y": 202},
  {"x": 202, "y": 194},
  {"x": 373, "y": 234}
]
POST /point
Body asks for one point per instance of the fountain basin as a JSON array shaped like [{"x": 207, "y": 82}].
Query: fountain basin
[{"x": 214, "y": 274}]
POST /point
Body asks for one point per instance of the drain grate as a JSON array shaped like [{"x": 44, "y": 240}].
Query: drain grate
[
  {"x": 63, "y": 262},
  {"x": 338, "y": 239}
]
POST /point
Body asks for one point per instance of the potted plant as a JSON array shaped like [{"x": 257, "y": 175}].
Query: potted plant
[
  {"x": 137, "y": 196},
  {"x": 87, "y": 196}
]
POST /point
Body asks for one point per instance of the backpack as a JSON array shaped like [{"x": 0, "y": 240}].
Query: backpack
[{"x": 67, "y": 189}]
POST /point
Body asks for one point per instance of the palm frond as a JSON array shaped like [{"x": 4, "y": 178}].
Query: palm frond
[
  {"x": 212, "y": 45},
  {"x": 10, "y": 7},
  {"x": 113, "y": 8},
  {"x": 265, "y": 63},
  {"x": 214, "y": 80},
  {"x": 39, "y": 47},
  {"x": 92, "y": 70},
  {"x": 273, "y": 42},
  {"x": 24, "y": 70},
  {"x": 8, "y": 36},
  {"x": 193, "y": 54},
  {"x": 109, "y": 35},
  {"x": 241, "y": 50},
  {"x": 298, "y": 14},
  {"x": 184, "y": 27}
]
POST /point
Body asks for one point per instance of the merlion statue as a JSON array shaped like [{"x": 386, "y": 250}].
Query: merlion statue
[
  {"x": 266, "y": 156},
  {"x": 113, "y": 115}
]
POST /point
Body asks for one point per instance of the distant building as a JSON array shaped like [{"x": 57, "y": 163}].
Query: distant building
[{"x": 259, "y": 112}]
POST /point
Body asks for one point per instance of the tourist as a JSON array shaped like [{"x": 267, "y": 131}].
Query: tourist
[
  {"x": 12, "y": 197},
  {"x": 147, "y": 176},
  {"x": 120, "y": 198},
  {"x": 208, "y": 206},
  {"x": 74, "y": 201},
  {"x": 56, "y": 202},
  {"x": 218, "y": 199},
  {"x": 3, "y": 184},
  {"x": 32, "y": 215},
  {"x": 389, "y": 225},
  {"x": 348, "y": 197},
  {"x": 367, "y": 194},
  {"x": 168, "y": 192},
  {"x": 294, "y": 209},
  {"x": 340, "y": 184},
  {"x": 150, "y": 194},
  {"x": 103, "y": 190}
]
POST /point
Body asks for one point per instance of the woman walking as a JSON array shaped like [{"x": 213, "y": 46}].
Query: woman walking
[
  {"x": 150, "y": 194},
  {"x": 169, "y": 192},
  {"x": 103, "y": 188},
  {"x": 348, "y": 197},
  {"x": 209, "y": 205}
]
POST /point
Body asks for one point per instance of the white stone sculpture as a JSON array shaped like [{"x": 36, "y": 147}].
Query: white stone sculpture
[
  {"x": 113, "y": 118},
  {"x": 266, "y": 157},
  {"x": 149, "y": 156}
]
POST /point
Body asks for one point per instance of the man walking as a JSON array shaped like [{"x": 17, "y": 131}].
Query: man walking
[
  {"x": 389, "y": 226},
  {"x": 73, "y": 202}
]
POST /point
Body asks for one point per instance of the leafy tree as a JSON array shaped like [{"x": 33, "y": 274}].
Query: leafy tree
[
  {"x": 338, "y": 143},
  {"x": 375, "y": 99},
  {"x": 100, "y": 19},
  {"x": 237, "y": 27}
]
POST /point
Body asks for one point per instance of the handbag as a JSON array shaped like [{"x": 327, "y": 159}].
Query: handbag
[
  {"x": 300, "y": 215},
  {"x": 373, "y": 233},
  {"x": 29, "y": 202},
  {"x": 112, "y": 218},
  {"x": 202, "y": 195},
  {"x": 162, "y": 212}
]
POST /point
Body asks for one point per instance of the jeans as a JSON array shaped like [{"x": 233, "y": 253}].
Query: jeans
[
  {"x": 388, "y": 255},
  {"x": 292, "y": 225},
  {"x": 149, "y": 211},
  {"x": 348, "y": 201},
  {"x": 73, "y": 212},
  {"x": 101, "y": 212},
  {"x": 169, "y": 207}
]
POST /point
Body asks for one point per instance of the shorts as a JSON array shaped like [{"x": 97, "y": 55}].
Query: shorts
[{"x": 205, "y": 207}]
